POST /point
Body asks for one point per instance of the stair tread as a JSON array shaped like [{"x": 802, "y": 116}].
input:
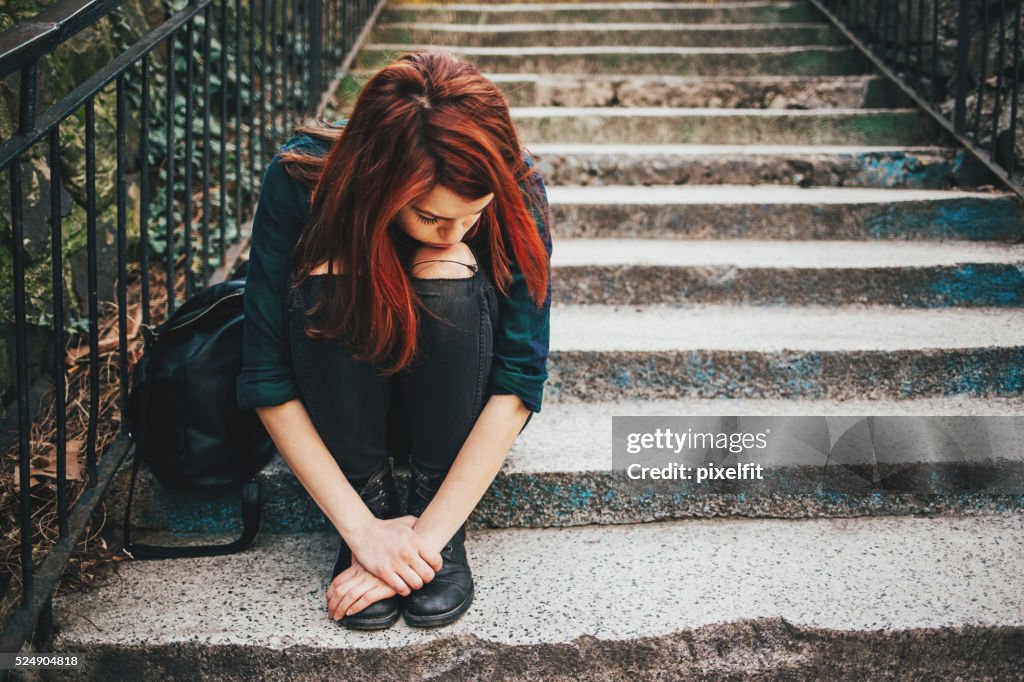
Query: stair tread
[
  {"x": 597, "y": 26},
  {"x": 752, "y": 194},
  {"x": 812, "y": 573},
  {"x": 717, "y": 149},
  {"x": 575, "y": 437},
  {"x": 608, "y": 49},
  {"x": 638, "y": 112},
  {"x": 667, "y": 77},
  {"x": 510, "y": 7},
  {"x": 777, "y": 253},
  {"x": 712, "y": 327}
]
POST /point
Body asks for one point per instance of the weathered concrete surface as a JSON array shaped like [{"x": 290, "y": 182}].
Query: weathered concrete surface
[
  {"x": 775, "y": 272},
  {"x": 781, "y": 212},
  {"x": 593, "y": 12},
  {"x": 558, "y": 473},
  {"x": 677, "y": 125},
  {"x": 711, "y": 351},
  {"x": 814, "y": 328},
  {"x": 811, "y": 60},
  {"x": 664, "y": 90},
  {"x": 588, "y": 165},
  {"x": 723, "y": 598},
  {"x": 666, "y": 34}
]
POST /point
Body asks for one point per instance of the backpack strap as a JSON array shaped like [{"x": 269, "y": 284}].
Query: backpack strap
[{"x": 250, "y": 493}]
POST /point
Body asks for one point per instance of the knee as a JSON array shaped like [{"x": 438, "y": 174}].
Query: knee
[{"x": 443, "y": 269}]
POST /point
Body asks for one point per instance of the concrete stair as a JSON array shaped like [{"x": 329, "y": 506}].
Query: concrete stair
[
  {"x": 811, "y": 599},
  {"x": 747, "y": 221},
  {"x": 666, "y": 90}
]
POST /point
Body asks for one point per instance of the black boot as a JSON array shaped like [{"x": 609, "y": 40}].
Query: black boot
[
  {"x": 449, "y": 594},
  {"x": 380, "y": 494}
]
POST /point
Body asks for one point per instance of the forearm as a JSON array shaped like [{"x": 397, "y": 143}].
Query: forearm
[
  {"x": 302, "y": 448},
  {"x": 474, "y": 468}
]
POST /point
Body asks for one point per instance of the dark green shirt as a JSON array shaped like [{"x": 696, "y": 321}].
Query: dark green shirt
[{"x": 519, "y": 363}]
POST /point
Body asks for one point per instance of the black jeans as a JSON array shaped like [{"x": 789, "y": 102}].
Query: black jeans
[{"x": 424, "y": 412}]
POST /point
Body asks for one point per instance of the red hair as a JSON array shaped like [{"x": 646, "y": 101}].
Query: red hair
[{"x": 429, "y": 118}]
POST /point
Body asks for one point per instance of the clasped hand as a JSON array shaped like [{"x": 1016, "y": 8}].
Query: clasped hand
[{"x": 388, "y": 557}]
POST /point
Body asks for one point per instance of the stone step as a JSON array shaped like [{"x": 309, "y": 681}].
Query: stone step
[
  {"x": 783, "y": 212},
  {"x": 682, "y": 35},
  {"x": 678, "y": 125},
  {"x": 723, "y": 92},
  {"x": 798, "y": 60},
  {"x": 602, "y": 12},
  {"x": 559, "y": 473},
  {"x": 599, "y": 165},
  {"x": 806, "y": 599},
  {"x": 626, "y": 3},
  {"x": 652, "y": 352},
  {"x": 774, "y": 272}
]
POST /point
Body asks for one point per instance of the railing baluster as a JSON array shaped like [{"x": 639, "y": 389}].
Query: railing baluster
[
  {"x": 186, "y": 211},
  {"x": 237, "y": 209},
  {"x": 981, "y": 79},
  {"x": 205, "y": 264},
  {"x": 935, "y": 52},
  {"x": 999, "y": 67},
  {"x": 222, "y": 212},
  {"x": 963, "y": 47},
  {"x": 57, "y": 282},
  {"x": 1011, "y": 163},
  {"x": 92, "y": 283},
  {"x": 286, "y": 48},
  {"x": 251, "y": 110},
  {"x": 26, "y": 120},
  {"x": 144, "y": 193},
  {"x": 907, "y": 39},
  {"x": 263, "y": 74},
  {"x": 275, "y": 94},
  {"x": 919, "y": 61},
  {"x": 169, "y": 226},
  {"x": 122, "y": 251}
]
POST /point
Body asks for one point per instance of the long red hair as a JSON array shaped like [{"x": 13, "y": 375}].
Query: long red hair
[{"x": 428, "y": 118}]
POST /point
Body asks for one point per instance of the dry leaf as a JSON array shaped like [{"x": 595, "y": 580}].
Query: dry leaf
[{"x": 43, "y": 466}]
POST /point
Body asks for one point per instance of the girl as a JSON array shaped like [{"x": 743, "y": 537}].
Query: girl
[{"x": 398, "y": 295}]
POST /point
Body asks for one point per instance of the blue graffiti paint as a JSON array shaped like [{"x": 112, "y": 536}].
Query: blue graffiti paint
[{"x": 994, "y": 284}]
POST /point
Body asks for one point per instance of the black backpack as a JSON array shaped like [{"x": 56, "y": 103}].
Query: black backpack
[{"x": 183, "y": 416}]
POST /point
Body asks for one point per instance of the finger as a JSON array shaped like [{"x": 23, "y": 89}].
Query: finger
[
  {"x": 343, "y": 579},
  {"x": 431, "y": 556},
  {"x": 344, "y": 588},
  {"x": 335, "y": 599},
  {"x": 340, "y": 578},
  {"x": 351, "y": 595},
  {"x": 423, "y": 569},
  {"x": 411, "y": 577},
  {"x": 332, "y": 604},
  {"x": 395, "y": 582},
  {"x": 375, "y": 594}
]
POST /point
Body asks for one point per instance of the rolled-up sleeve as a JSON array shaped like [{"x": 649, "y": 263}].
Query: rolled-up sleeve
[
  {"x": 519, "y": 363},
  {"x": 267, "y": 376}
]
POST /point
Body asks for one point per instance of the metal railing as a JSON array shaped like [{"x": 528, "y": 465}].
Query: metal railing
[
  {"x": 959, "y": 60},
  {"x": 198, "y": 160}
]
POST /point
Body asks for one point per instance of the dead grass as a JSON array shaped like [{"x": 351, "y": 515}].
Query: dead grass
[{"x": 96, "y": 550}]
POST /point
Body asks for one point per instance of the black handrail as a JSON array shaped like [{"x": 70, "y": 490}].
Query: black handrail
[
  {"x": 270, "y": 73},
  {"x": 911, "y": 59},
  {"x": 21, "y": 45}
]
